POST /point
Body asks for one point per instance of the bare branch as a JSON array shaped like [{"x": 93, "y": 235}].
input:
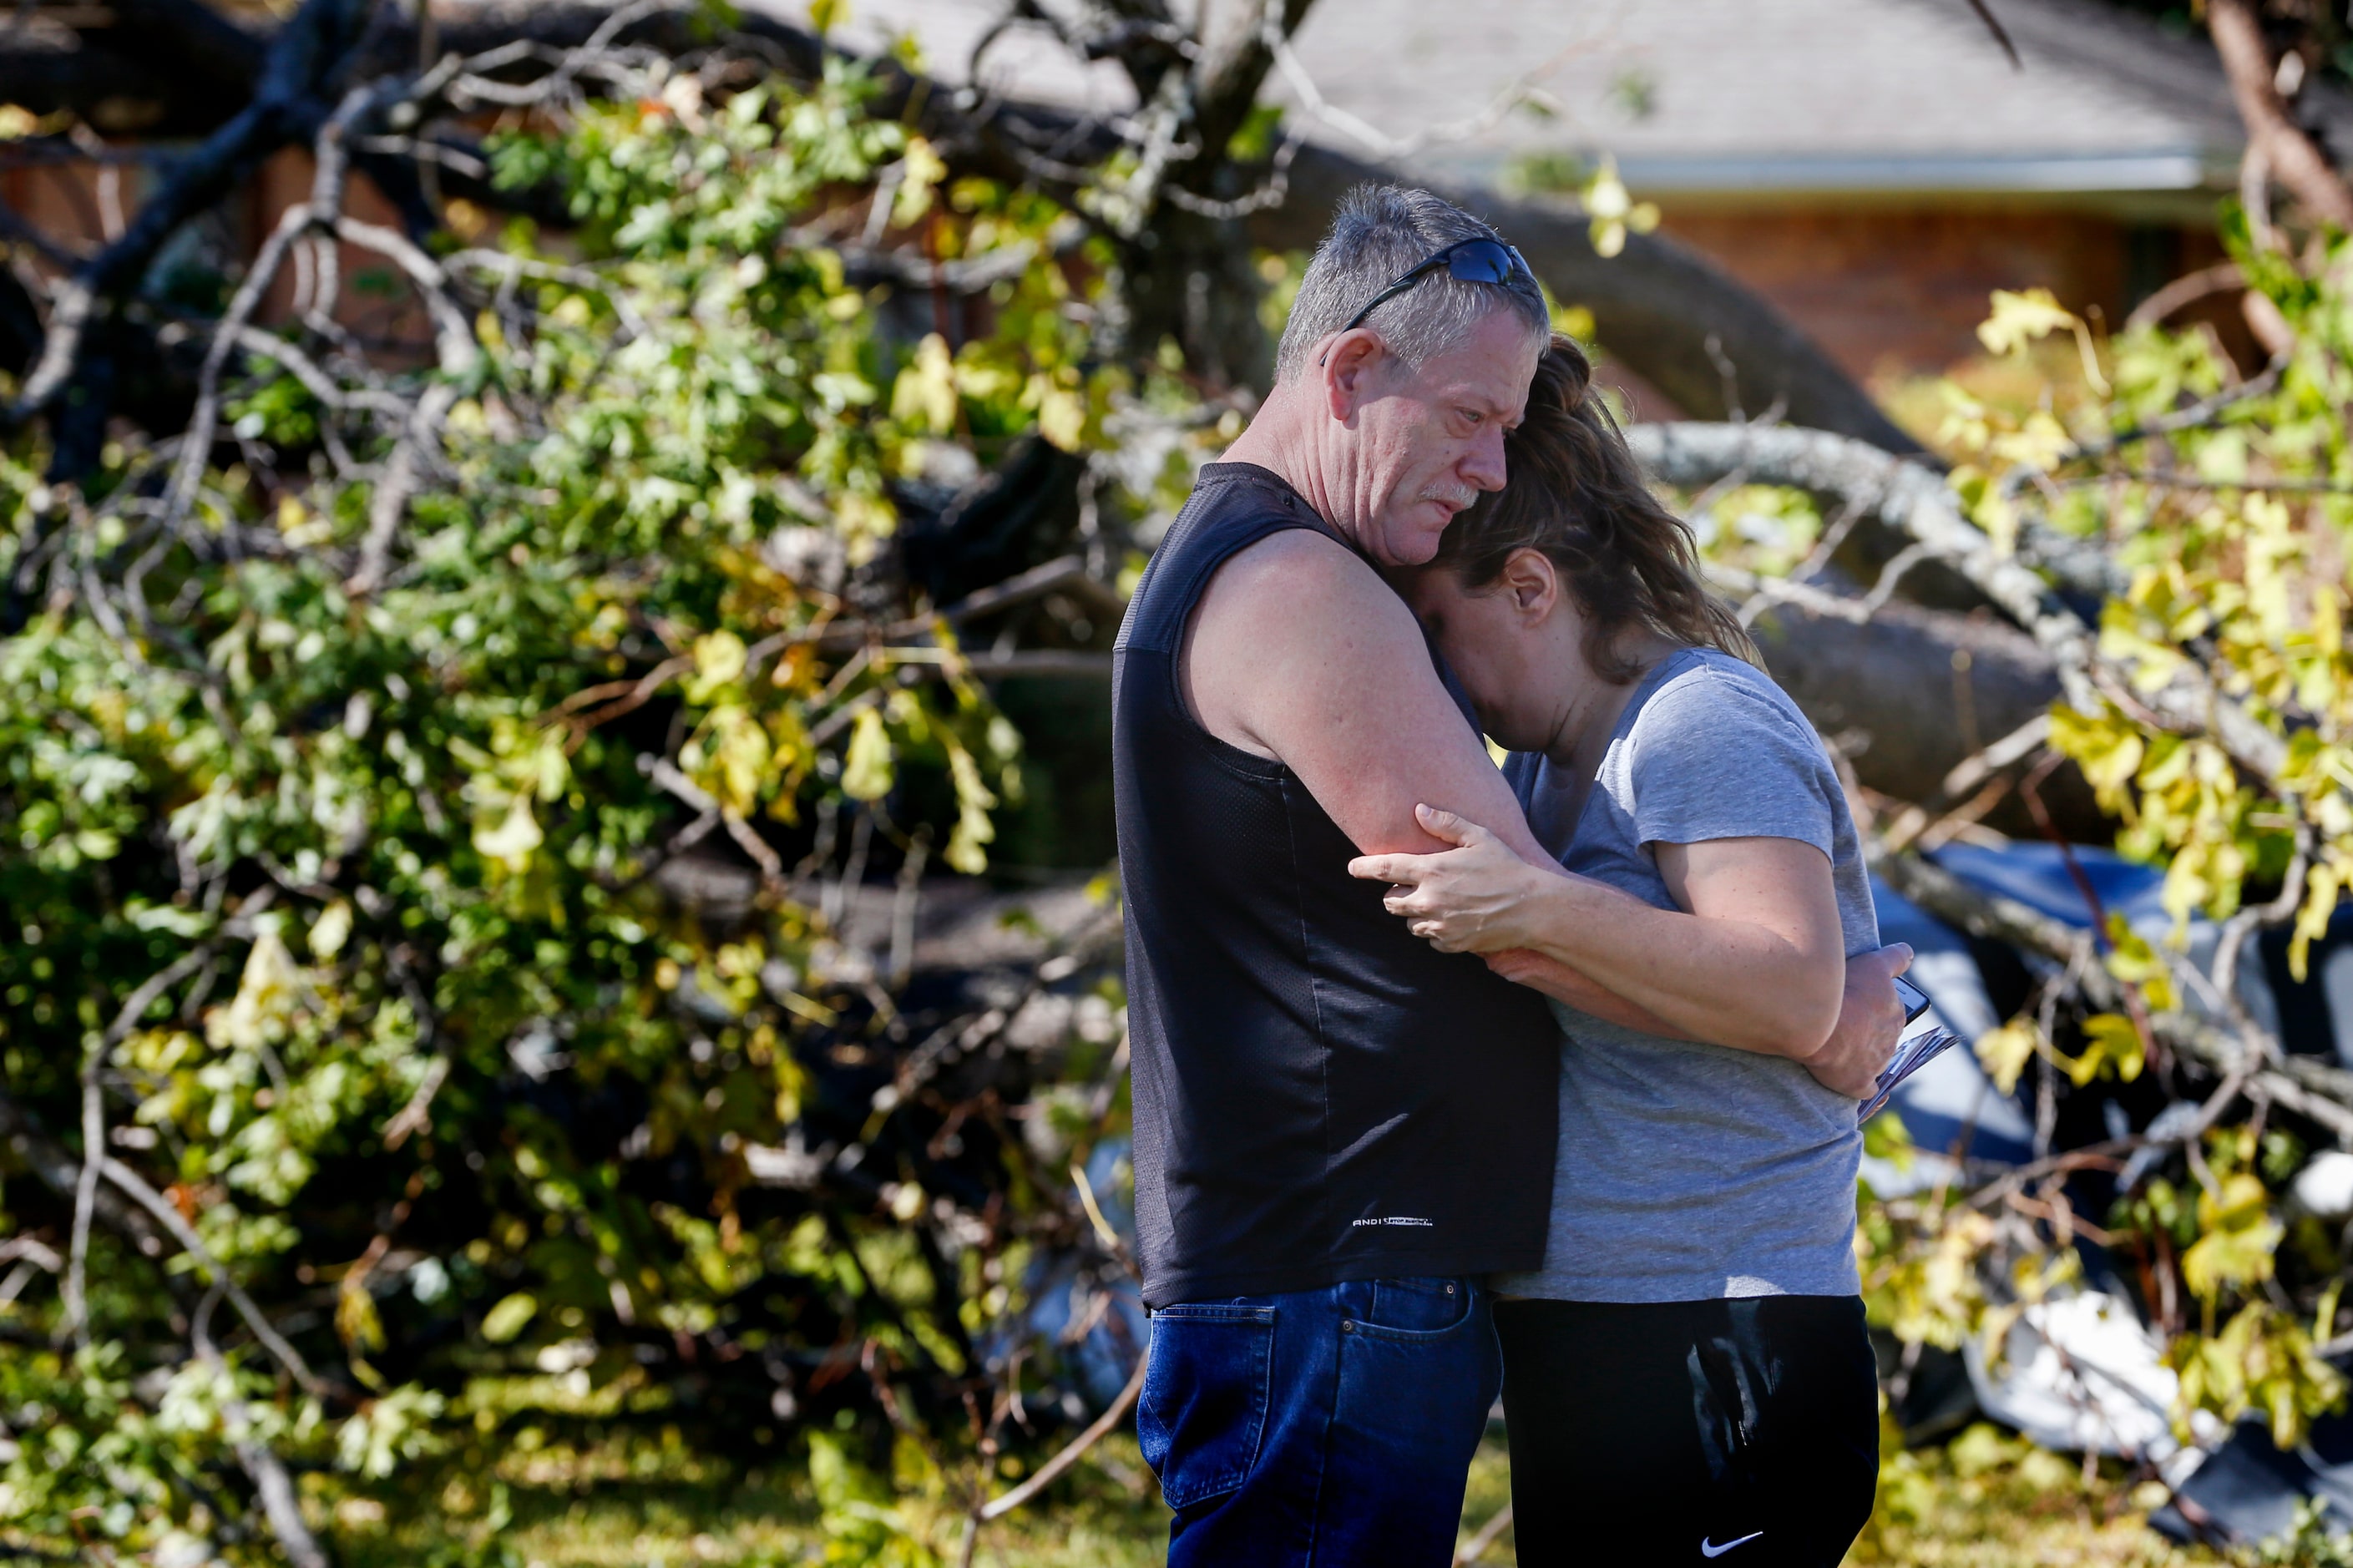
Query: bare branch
[
  {"x": 403, "y": 473},
  {"x": 1052, "y": 1471},
  {"x": 2000, "y": 35},
  {"x": 1474, "y": 1548},
  {"x": 93, "y": 1127},
  {"x": 196, "y": 447},
  {"x": 55, "y": 1168},
  {"x": 135, "y": 1187},
  {"x": 2294, "y": 158},
  {"x": 280, "y": 1504},
  {"x": 302, "y": 56},
  {"x": 415, "y": 1116}
]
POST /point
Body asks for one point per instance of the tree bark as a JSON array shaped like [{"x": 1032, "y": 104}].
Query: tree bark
[
  {"x": 2294, "y": 159},
  {"x": 1914, "y": 693},
  {"x": 1186, "y": 273}
]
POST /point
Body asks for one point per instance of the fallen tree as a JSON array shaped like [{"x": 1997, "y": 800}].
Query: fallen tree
[
  {"x": 1177, "y": 226},
  {"x": 441, "y": 792},
  {"x": 611, "y": 604}
]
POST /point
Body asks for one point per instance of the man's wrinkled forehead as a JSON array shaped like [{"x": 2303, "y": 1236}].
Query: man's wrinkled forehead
[{"x": 1490, "y": 373}]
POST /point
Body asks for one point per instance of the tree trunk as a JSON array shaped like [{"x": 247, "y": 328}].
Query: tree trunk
[
  {"x": 2293, "y": 157},
  {"x": 1189, "y": 278},
  {"x": 1912, "y": 692}
]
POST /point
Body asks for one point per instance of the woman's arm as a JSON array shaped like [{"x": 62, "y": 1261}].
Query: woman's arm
[
  {"x": 1871, "y": 1014},
  {"x": 1541, "y": 972},
  {"x": 1754, "y": 959}
]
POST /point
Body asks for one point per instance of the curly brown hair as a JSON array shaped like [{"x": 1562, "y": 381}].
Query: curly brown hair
[{"x": 1577, "y": 494}]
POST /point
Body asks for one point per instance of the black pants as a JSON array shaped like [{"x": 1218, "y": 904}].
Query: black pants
[{"x": 1740, "y": 1433}]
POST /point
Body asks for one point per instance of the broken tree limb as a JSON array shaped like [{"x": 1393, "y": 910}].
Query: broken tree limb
[
  {"x": 1901, "y": 501},
  {"x": 303, "y": 57},
  {"x": 59, "y": 1171},
  {"x": 280, "y": 1503},
  {"x": 1915, "y": 692},
  {"x": 1907, "y": 503},
  {"x": 1047, "y": 1473},
  {"x": 2316, "y": 1089},
  {"x": 2291, "y": 156},
  {"x": 56, "y": 1168},
  {"x": 136, "y": 1187},
  {"x": 1658, "y": 305}
]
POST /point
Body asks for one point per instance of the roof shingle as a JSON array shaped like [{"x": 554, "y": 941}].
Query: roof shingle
[{"x": 1733, "y": 94}]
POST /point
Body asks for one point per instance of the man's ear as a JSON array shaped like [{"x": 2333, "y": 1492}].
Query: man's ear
[
  {"x": 1348, "y": 364},
  {"x": 1533, "y": 581}
]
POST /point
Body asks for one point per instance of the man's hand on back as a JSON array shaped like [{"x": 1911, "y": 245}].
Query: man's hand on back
[{"x": 1870, "y": 1019}]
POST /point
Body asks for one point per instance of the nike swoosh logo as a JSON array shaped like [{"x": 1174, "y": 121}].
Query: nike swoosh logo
[{"x": 1710, "y": 1549}]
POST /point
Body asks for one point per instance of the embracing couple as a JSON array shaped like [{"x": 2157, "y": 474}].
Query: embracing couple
[{"x": 1449, "y": 1078}]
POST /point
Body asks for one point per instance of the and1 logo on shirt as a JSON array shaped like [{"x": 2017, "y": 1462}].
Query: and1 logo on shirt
[{"x": 1396, "y": 1219}]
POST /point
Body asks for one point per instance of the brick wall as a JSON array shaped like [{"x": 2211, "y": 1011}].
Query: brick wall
[{"x": 1894, "y": 290}]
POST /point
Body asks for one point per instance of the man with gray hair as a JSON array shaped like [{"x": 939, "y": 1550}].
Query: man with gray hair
[{"x": 1339, "y": 1130}]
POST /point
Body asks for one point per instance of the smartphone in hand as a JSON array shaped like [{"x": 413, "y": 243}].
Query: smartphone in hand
[{"x": 1916, "y": 1050}]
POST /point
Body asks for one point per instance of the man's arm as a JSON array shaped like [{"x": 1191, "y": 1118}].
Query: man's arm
[{"x": 1299, "y": 652}]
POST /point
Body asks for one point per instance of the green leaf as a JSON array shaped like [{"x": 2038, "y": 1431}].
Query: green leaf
[
  {"x": 866, "y": 773},
  {"x": 2240, "y": 1237},
  {"x": 2004, "y": 1052},
  {"x": 331, "y": 929},
  {"x": 719, "y": 660},
  {"x": 506, "y": 1321},
  {"x": 513, "y": 838},
  {"x": 2019, "y": 319}
]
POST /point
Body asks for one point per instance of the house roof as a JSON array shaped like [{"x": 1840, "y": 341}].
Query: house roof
[{"x": 1726, "y": 96}]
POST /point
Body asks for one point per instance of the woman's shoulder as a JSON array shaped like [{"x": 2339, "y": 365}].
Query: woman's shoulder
[
  {"x": 1706, "y": 687},
  {"x": 1718, "y": 750}
]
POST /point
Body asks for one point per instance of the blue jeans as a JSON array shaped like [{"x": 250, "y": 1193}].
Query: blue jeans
[{"x": 1321, "y": 1428}]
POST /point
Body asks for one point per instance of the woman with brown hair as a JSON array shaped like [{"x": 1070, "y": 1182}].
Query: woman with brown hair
[{"x": 1688, "y": 1376}]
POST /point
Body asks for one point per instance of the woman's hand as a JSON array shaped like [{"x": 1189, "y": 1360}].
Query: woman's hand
[
  {"x": 1470, "y": 898},
  {"x": 1871, "y": 1020}
]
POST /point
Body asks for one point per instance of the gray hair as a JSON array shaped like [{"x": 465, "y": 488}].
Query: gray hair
[{"x": 1378, "y": 233}]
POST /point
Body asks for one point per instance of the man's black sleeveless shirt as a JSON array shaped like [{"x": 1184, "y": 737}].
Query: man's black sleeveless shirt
[{"x": 1319, "y": 1096}]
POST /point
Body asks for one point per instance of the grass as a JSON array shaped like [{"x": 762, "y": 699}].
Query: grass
[{"x": 1983, "y": 1502}]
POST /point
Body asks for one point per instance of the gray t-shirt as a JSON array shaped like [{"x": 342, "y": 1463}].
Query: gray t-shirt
[{"x": 1693, "y": 1172}]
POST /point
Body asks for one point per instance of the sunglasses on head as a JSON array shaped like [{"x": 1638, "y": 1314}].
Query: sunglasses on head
[{"x": 1466, "y": 261}]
